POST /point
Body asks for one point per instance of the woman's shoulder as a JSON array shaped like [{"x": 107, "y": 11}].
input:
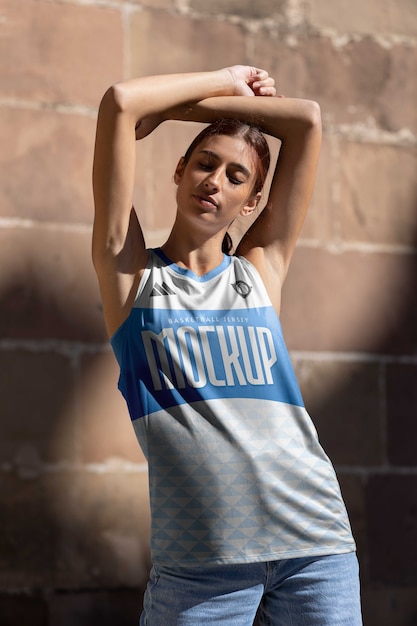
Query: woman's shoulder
[
  {"x": 264, "y": 277},
  {"x": 241, "y": 263}
]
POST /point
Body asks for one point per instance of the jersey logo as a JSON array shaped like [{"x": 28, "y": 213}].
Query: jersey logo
[
  {"x": 162, "y": 290},
  {"x": 242, "y": 288}
]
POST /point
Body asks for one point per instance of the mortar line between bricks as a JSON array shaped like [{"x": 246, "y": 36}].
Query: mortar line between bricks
[
  {"x": 111, "y": 466},
  {"x": 23, "y": 223},
  {"x": 353, "y": 357},
  {"x": 59, "y": 107},
  {"x": 109, "y": 4},
  {"x": 383, "y": 412},
  {"x": 45, "y": 591},
  {"x": 127, "y": 44},
  {"x": 69, "y": 348},
  {"x": 370, "y": 133},
  {"x": 357, "y": 246},
  {"x": 372, "y": 470}
]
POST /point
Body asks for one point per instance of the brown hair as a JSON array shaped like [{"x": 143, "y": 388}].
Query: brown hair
[{"x": 253, "y": 137}]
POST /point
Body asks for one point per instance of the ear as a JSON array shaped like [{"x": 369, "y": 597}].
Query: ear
[
  {"x": 179, "y": 170},
  {"x": 251, "y": 205}
]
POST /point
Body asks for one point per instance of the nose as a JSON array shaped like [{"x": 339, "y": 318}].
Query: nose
[{"x": 212, "y": 182}]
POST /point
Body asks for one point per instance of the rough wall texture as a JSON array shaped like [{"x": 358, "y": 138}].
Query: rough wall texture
[{"x": 73, "y": 508}]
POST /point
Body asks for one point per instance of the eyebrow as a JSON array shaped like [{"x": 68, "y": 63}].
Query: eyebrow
[{"x": 238, "y": 166}]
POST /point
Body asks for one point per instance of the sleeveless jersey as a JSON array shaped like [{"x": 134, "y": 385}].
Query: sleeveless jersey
[{"x": 236, "y": 471}]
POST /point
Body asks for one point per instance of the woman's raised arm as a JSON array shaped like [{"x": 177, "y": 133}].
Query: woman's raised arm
[{"x": 119, "y": 253}]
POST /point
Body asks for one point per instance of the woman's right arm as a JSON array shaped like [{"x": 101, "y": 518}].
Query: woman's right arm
[{"x": 119, "y": 252}]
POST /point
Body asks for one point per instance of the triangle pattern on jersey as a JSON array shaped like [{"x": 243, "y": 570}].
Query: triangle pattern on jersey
[{"x": 222, "y": 502}]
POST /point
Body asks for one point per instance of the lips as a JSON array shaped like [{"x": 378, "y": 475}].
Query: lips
[{"x": 206, "y": 200}]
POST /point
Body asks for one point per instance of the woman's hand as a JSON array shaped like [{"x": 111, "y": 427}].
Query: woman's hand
[{"x": 251, "y": 81}]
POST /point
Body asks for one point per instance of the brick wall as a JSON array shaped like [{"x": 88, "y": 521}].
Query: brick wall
[{"x": 73, "y": 509}]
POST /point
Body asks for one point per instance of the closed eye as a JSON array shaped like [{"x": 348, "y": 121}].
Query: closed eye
[
  {"x": 205, "y": 166},
  {"x": 235, "y": 181},
  {"x": 209, "y": 166}
]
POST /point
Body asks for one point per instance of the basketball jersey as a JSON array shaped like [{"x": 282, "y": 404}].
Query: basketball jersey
[{"x": 236, "y": 471}]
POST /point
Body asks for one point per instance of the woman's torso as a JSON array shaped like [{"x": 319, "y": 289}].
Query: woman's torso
[{"x": 236, "y": 471}]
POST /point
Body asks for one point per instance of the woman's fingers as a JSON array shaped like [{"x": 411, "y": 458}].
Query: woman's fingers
[
  {"x": 266, "y": 91},
  {"x": 252, "y": 81},
  {"x": 263, "y": 84}
]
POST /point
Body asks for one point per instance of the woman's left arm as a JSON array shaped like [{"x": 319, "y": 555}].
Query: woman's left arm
[{"x": 270, "y": 242}]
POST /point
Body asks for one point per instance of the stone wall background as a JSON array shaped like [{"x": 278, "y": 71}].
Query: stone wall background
[{"x": 73, "y": 506}]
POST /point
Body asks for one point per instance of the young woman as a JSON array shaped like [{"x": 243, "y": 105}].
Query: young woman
[{"x": 247, "y": 515}]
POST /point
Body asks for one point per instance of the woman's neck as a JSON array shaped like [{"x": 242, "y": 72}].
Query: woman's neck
[{"x": 200, "y": 259}]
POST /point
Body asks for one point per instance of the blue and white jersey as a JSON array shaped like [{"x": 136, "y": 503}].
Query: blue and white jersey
[{"x": 236, "y": 471}]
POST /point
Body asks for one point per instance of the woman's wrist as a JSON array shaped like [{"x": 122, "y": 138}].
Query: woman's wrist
[{"x": 219, "y": 83}]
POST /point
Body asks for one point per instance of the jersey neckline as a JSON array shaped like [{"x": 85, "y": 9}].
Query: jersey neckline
[{"x": 226, "y": 261}]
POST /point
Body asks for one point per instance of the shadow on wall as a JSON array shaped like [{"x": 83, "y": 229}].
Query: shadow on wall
[
  {"x": 363, "y": 400},
  {"x": 74, "y": 516},
  {"x": 74, "y": 524}
]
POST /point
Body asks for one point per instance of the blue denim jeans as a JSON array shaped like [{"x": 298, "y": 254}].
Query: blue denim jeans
[{"x": 312, "y": 591}]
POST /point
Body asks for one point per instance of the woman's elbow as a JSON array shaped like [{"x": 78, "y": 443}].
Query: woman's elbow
[
  {"x": 115, "y": 99},
  {"x": 313, "y": 114}
]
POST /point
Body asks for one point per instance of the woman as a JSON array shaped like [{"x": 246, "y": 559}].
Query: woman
[{"x": 247, "y": 515}]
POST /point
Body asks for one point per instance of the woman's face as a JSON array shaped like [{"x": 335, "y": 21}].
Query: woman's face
[{"x": 216, "y": 184}]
